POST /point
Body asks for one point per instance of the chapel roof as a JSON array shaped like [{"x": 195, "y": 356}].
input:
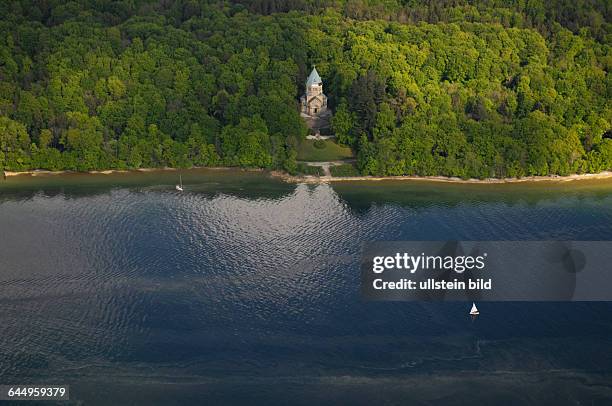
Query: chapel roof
[{"x": 313, "y": 78}]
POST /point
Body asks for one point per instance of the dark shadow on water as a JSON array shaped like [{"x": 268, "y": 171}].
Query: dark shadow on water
[
  {"x": 238, "y": 183},
  {"x": 362, "y": 196},
  {"x": 236, "y": 300}
]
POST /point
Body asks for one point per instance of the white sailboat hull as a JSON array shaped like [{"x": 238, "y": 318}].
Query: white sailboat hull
[
  {"x": 474, "y": 311},
  {"x": 179, "y": 187}
]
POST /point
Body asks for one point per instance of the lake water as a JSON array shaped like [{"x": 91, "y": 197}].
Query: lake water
[{"x": 245, "y": 290}]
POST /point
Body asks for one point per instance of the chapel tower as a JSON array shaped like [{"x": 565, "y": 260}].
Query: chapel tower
[{"x": 314, "y": 101}]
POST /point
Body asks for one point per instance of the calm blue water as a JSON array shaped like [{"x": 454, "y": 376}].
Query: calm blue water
[{"x": 245, "y": 289}]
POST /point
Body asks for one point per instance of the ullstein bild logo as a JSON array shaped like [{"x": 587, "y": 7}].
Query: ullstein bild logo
[{"x": 487, "y": 270}]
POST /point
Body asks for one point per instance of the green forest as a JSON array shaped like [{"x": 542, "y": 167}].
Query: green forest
[{"x": 452, "y": 87}]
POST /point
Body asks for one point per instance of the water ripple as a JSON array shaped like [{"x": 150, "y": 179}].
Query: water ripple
[{"x": 232, "y": 276}]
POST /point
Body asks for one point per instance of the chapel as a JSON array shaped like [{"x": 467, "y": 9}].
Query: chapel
[{"x": 314, "y": 101}]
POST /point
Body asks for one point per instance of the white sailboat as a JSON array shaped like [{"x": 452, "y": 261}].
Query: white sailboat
[
  {"x": 179, "y": 187},
  {"x": 474, "y": 310}
]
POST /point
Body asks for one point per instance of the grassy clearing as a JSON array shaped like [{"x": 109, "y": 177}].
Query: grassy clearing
[{"x": 330, "y": 151}]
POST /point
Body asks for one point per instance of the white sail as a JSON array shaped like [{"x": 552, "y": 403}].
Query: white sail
[{"x": 474, "y": 311}]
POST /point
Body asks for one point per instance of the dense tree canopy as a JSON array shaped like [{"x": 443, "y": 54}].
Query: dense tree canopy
[{"x": 458, "y": 88}]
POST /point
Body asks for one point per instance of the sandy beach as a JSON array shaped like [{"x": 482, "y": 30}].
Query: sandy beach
[
  {"x": 326, "y": 179},
  {"x": 552, "y": 178},
  {"x": 43, "y": 172}
]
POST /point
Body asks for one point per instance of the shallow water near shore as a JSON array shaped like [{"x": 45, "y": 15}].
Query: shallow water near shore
[{"x": 245, "y": 289}]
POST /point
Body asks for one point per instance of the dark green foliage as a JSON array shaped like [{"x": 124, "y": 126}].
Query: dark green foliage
[
  {"x": 326, "y": 131},
  {"x": 127, "y": 87},
  {"x": 303, "y": 169},
  {"x": 344, "y": 170},
  {"x": 365, "y": 95},
  {"x": 457, "y": 88},
  {"x": 575, "y": 15}
]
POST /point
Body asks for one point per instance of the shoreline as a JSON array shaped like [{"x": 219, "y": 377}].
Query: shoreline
[
  {"x": 443, "y": 179},
  {"x": 327, "y": 179},
  {"x": 44, "y": 172}
]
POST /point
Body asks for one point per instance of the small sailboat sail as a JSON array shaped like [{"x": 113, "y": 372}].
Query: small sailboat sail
[
  {"x": 474, "y": 310},
  {"x": 179, "y": 187}
]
